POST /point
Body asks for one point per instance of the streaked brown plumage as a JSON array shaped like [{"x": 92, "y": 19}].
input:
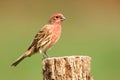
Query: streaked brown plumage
[{"x": 45, "y": 38}]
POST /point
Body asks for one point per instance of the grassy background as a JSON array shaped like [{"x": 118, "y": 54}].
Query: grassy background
[{"x": 92, "y": 28}]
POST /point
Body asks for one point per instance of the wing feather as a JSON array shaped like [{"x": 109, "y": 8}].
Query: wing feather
[{"x": 41, "y": 38}]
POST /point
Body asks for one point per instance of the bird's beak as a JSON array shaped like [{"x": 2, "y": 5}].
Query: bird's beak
[{"x": 63, "y": 18}]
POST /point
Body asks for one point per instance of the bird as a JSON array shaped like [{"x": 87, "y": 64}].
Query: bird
[{"x": 48, "y": 35}]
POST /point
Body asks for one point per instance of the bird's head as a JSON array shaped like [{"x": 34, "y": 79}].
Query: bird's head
[{"x": 56, "y": 18}]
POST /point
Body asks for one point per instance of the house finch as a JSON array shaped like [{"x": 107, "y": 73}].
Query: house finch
[{"x": 45, "y": 38}]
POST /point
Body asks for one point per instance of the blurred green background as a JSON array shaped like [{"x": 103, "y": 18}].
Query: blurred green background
[{"x": 92, "y": 27}]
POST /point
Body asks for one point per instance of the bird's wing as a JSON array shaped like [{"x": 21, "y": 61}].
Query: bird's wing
[{"x": 41, "y": 38}]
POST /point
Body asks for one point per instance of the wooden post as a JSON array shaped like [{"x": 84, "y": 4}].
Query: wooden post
[{"x": 66, "y": 68}]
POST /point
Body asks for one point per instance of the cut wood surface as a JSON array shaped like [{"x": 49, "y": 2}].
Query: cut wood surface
[{"x": 67, "y": 68}]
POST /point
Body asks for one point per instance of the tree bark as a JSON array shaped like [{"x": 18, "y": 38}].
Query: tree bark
[{"x": 66, "y": 68}]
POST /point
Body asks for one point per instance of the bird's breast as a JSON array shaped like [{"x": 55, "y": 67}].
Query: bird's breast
[{"x": 56, "y": 33}]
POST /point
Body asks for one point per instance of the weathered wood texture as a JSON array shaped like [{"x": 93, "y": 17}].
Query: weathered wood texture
[{"x": 67, "y": 68}]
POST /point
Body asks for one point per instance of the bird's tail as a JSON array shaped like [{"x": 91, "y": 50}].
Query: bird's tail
[
  {"x": 18, "y": 61},
  {"x": 26, "y": 54}
]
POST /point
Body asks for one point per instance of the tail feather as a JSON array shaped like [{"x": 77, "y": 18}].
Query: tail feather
[
  {"x": 18, "y": 60},
  {"x": 28, "y": 53}
]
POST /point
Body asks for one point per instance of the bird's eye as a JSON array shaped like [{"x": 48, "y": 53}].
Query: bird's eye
[{"x": 56, "y": 17}]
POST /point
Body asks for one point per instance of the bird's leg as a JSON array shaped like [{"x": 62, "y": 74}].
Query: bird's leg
[{"x": 46, "y": 54}]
